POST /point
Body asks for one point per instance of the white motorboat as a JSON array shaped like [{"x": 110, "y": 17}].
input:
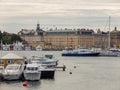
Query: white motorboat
[
  {"x": 13, "y": 72},
  {"x": 46, "y": 72},
  {"x": 44, "y": 61},
  {"x": 32, "y": 72}
]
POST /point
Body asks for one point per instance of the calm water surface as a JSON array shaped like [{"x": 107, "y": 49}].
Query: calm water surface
[{"x": 91, "y": 73}]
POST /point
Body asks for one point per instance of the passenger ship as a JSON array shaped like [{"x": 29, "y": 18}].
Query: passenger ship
[{"x": 80, "y": 51}]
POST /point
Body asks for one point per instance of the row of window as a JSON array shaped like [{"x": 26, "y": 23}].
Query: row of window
[{"x": 9, "y": 62}]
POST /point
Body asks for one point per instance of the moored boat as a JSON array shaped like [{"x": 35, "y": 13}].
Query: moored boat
[
  {"x": 44, "y": 61},
  {"x": 13, "y": 72},
  {"x": 46, "y": 72},
  {"x": 80, "y": 51},
  {"x": 32, "y": 72}
]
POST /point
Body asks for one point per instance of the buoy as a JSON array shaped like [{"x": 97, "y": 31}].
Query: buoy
[
  {"x": 70, "y": 72},
  {"x": 24, "y": 83},
  {"x": 74, "y": 66},
  {"x": 64, "y": 67}
]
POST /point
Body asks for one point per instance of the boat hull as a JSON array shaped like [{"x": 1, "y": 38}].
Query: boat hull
[
  {"x": 32, "y": 76},
  {"x": 12, "y": 76},
  {"x": 47, "y": 74},
  {"x": 84, "y": 54},
  {"x": 50, "y": 63}
]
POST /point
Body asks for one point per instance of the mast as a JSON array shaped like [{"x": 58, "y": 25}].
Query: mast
[{"x": 109, "y": 33}]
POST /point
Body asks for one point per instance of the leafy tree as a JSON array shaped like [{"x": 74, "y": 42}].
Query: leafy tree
[
  {"x": 15, "y": 37},
  {"x": 0, "y": 35},
  {"x": 8, "y": 38}
]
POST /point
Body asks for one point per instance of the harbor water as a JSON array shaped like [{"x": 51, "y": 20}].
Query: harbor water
[{"x": 87, "y": 73}]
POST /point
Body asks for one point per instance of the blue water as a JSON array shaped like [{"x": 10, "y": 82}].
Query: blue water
[{"x": 91, "y": 73}]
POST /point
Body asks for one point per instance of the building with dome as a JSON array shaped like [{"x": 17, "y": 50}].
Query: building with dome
[{"x": 60, "y": 38}]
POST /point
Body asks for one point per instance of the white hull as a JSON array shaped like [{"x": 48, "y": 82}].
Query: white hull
[
  {"x": 32, "y": 72},
  {"x": 44, "y": 61},
  {"x": 11, "y": 77},
  {"x": 32, "y": 75},
  {"x": 13, "y": 72}
]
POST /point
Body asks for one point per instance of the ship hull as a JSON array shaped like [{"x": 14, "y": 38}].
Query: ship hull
[{"x": 85, "y": 54}]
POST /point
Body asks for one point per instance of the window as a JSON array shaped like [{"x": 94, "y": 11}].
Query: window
[
  {"x": 10, "y": 61},
  {"x": 1, "y": 62}
]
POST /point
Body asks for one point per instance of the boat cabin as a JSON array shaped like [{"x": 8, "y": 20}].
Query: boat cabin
[{"x": 49, "y": 56}]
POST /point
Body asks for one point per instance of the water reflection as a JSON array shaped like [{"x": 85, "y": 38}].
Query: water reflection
[
  {"x": 88, "y": 73},
  {"x": 33, "y": 84},
  {"x": 9, "y": 82}
]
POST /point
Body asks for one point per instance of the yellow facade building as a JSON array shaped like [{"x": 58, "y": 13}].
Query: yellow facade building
[
  {"x": 115, "y": 38},
  {"x": 11, "y": 58},
  {"x": 59, "y": 39}
]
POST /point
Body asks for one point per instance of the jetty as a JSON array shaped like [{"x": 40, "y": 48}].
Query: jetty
[{"x": 61, "y": 67}]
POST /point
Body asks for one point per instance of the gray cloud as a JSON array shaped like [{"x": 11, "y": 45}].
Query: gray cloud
[{"x": 17, "y": 14}]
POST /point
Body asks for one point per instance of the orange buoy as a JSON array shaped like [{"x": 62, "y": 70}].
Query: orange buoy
[{"x": 24, "y": 83}]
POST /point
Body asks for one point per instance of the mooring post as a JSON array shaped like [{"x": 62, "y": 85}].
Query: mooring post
[{"x": 64, "y": 67}]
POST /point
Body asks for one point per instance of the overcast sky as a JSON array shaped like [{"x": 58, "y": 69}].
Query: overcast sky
[{"x": 24, "y": 14}]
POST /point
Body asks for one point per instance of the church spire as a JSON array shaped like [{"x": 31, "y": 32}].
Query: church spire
[{"x": 38, "y": 26}]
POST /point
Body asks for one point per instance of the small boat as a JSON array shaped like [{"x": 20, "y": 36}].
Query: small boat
[
  {"x": 13, "y": 72},
  {"x": 44, "y": 61},
  {"x": 32, "y": 72},
  {"x": 46, "y": 72},
  {"x": 108, "y": 54},
  {"x": 114, "y": 49},
  {"x": 112, "y": 52},
  {"x": 80, "y": 51}
]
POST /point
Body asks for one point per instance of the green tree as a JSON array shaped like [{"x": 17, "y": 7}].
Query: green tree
[
  {"x": 15, "y": 37},
  {"x": 0, "y": 35},
  {"x": 8, "y": 38}
]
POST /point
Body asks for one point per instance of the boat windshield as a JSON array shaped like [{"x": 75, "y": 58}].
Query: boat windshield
[
  {"x": 32, "y": 68},
  {"x": 12, "y": 68}
]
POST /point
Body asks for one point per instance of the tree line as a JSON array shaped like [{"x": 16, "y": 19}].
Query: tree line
[{"x": 8, "y": 38}]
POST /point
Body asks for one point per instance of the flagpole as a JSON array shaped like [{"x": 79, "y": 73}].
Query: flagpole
[{"x": 109, "y": 33}]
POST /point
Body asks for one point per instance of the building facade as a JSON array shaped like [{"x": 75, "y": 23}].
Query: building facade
[
  {"x": 115, "y": 38},
  {"x": 59, "y": 39}
]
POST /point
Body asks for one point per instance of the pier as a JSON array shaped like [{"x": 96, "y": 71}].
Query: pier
[{"x": 61, "y": 67}]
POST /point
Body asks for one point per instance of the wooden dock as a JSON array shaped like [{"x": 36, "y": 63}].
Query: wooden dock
[{"x": 61, "y": 67}]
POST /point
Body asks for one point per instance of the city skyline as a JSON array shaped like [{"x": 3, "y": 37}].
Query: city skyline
[{"x": 24, "y": 14}]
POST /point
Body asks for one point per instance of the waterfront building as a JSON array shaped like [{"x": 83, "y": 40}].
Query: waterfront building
[
  {"x": 32, "y": 37},
  {"x": 101, "y": 40},
  {"x": 115, "y": 38},
  {"x": 11, "y": 58},
  {"x": 61, "y": 38}
]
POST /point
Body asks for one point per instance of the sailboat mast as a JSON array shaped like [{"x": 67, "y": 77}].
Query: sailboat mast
[{"x": 109, "y": 33}]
